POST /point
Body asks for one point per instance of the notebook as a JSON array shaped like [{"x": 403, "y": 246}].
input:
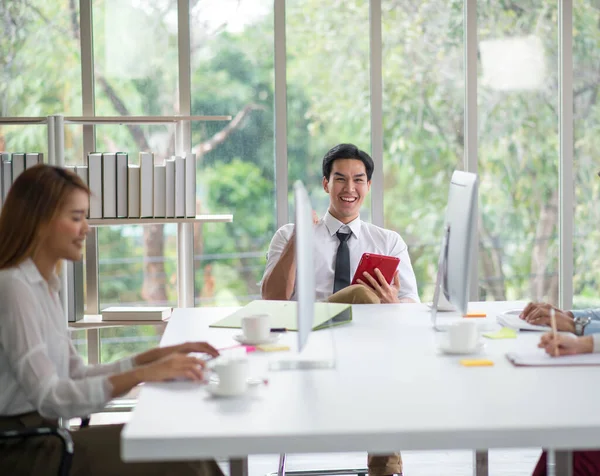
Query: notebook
[
  {"x": 511, "y": 319},
  {"x": 542, "y": 359},
  {"x": 284, "y": 314}
]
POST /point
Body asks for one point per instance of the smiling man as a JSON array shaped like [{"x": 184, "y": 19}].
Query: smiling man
[{"x": 341, "y": 238}]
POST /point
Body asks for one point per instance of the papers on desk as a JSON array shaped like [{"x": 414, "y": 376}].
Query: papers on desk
[
  {"x": 542, "y": 359},
  {"x": 511, "y": 319}
]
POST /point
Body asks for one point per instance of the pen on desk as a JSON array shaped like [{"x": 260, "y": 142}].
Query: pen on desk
[
  {"x": 554, "y": 334},
  {"x": 475, "y": 314},
  {"x": 278, "y": 329}
]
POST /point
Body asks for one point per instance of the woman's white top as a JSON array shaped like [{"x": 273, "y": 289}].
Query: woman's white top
[{"x": 39, "y": 366}]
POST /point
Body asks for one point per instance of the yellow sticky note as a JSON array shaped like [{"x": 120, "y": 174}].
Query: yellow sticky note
[
  {"x": 476, "y": 362},
  {"x": 504, "y": 333},
  {"x": 272, "y": 347}
]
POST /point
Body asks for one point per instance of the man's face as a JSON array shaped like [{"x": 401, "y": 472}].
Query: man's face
[{"x": 347, "y": 187}]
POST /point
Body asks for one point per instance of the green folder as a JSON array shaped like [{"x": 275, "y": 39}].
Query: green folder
[{"x": 284, "y": 314}]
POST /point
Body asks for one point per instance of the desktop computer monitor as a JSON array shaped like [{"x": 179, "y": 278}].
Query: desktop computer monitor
[
  {"x": 305, "y": 269},
  {"x": 454, "y": 263}
]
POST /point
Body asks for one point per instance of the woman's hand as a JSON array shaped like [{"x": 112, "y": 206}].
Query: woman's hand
[
  {"x": 173, "y": 366},
  {"x": 538, "y": 313},
  {"x": 567, "y": 344},
  {"x": 387, "y": 293},
  {"x": 158, "y": 353}
]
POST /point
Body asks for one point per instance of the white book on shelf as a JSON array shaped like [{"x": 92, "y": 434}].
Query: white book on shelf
[
  {"x": 6, "y": 178},
  {"x": 170, "y": 188},
  {"x": 33, "y": 158},
  {"x": 133, "y": 183},
  {"x": 18, "y": 165},
  {"x": 160, "y": 193},
  {"x": 117, "y": 313},
  {"x": 82, "y": 172},
  {"x": 190, "y": 184},
  {"x": 146, "y": 184},
  {"x": 179, "y": 187},
  {"x": 109, "y": 185},
  {"x": 95, "y": 184},
  {"x": 4, "y": 157},
  {"x": 122, "y": 160}
]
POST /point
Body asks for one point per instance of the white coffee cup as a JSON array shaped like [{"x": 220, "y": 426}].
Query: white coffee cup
[
  {"x": 463, "y": 336},
  {"x": 256, "y": 328},
  {"x": 233, "y": 375}
]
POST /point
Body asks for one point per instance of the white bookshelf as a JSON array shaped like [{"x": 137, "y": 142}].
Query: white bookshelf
[
  {"x": 55, "y": 156},
  {"x": 94, "y": 321}
]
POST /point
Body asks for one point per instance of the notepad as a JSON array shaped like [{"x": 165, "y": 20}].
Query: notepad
[
  {"x": 542, "y": 359},
  {"x": 511, "y": 319},
  {"x": 504, "y": 333}
]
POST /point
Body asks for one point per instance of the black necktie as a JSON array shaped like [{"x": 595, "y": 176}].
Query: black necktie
[{"x": 341, "y": 278}]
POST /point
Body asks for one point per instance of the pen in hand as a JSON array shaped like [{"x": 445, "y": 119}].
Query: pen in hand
[{"x": 554, "y": 333}]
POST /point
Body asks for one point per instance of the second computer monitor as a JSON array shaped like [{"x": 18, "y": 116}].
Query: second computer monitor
[{"x": 454, "y": 265}]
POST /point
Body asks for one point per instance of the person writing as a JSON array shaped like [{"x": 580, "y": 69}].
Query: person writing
[
  {"x": 341, "y": 238},
  {"x": 43, "y": 221}
]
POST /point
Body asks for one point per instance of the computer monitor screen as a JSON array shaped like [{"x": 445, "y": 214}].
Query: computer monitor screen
[
  {"x": 459, "y": 232},
  {"x": 305, "y": 269}
]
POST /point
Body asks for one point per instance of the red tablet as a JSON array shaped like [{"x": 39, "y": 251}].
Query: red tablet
[{"x": 369, "y": 261}]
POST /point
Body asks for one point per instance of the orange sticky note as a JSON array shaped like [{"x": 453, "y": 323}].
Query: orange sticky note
[
  {"x": 476, "y": 362},
  {"x": 475, "y": 314}
]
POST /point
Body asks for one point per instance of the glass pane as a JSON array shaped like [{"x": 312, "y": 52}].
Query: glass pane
[
  {"x": 135, "y": 57},
  {"x": 40, "y": 71},
  {"x": 232, "y": 73},
  {"x": 423, "y": 114},
  {"x": 518, "y": 150},
  {"x": 136, "y": 73},
  {"x": 40, "y": 65},
  {"x": 586, "y": 74},
  {"x": 327, "y": 87}
]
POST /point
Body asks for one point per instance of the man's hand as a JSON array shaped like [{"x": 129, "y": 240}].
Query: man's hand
[
  {"x": 158, "y": 353},
  {"x": 567, "y": 345},
  {"x": 388, "y": 293},
  {"x": 538, "y": 313}
]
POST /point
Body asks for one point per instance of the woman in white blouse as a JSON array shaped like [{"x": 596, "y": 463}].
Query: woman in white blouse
[{"x": 42, "y": 377}]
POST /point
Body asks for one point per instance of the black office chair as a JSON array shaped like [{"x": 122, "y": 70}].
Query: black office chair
[{"x": 47, "y": 431}]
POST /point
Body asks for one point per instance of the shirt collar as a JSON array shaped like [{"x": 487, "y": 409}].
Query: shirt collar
[
  {"x": 33, "y": 275},
  {"x": 333, "y": 224}
]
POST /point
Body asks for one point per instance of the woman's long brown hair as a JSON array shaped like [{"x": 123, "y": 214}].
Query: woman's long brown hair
[{"x": 33, "y": 201}]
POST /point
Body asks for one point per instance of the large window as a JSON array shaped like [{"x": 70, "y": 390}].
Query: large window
[
  {"x": 327, "y": 88},
  {"x": 232, "y": 74},
  {"x": 40, "y": 71},
  {"x": 586, "y": 75},
  {"x": 423, "y": 115},
  {"x": 136, "y": 58},
  {"x": 518, "y": 150}
]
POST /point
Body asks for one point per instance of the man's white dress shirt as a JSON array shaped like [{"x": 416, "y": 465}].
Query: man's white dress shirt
[
  {"x": 39, "y": 367},
  {"x": 366, "y": 238}
]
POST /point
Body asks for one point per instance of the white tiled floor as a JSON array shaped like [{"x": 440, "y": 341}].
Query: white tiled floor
[{"x": 416, "y": 463}]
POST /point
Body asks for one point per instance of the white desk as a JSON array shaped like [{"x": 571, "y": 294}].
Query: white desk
[{"x": 391, "y": 390}]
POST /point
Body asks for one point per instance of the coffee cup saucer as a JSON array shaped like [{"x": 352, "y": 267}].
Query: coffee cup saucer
[
  {"x": 242, "y": 339},
  {"x": 446, "y": 349},
  {"x": 213, "y": 387},
  {"x": 216, "y": 390}
]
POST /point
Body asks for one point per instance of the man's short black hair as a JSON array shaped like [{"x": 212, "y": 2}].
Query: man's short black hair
[{"x": 347, "y": 151}]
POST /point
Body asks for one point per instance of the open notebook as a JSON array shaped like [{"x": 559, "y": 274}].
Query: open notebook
[
  {"x": 511, "y": 319},
  {"x": 542, "y": 359},
  {"x": 284, "y": 314}
]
